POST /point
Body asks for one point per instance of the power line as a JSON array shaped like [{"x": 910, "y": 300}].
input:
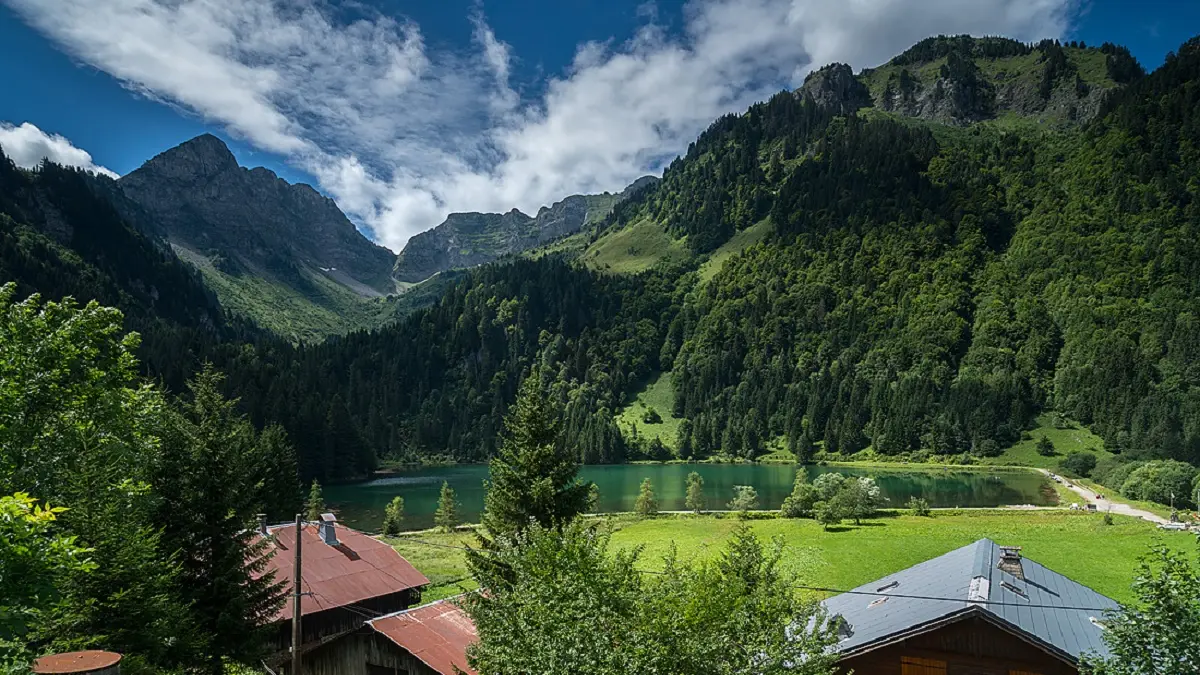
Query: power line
[{"x": 839, "y": 591}]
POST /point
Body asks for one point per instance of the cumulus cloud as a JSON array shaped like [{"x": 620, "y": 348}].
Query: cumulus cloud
[
  {"x": 28, "y": 145},
  {"x": 400, "y": 134}
]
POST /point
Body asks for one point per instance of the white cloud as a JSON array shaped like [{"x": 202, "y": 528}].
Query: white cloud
[
  {"x": 401, "y": 134},
  {"x": 28, "y": 145}
]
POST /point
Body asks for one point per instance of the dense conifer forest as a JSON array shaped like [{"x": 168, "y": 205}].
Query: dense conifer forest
[{"x": 923, "y": 287}]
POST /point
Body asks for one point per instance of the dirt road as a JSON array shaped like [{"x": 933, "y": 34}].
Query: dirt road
[{"x": 1105, "y": 504}]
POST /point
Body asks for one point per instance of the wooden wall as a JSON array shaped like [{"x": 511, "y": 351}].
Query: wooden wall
[
  {"x": 972, "y": 646},
  {"x": 351, "y": 654}
]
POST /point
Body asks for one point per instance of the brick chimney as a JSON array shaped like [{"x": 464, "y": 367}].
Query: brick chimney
[
  {"x": 1010, "y": 561},
  {"x": 328, "y": 529}
]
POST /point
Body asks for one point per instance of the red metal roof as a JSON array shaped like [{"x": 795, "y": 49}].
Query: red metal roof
[
  {"x": 358, "y": 568},
  {"x": 76, "y": 662},
  {"x": 438, "y": 634}
]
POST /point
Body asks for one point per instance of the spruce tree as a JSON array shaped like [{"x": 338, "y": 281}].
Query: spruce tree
[
  {"x": 532, "y": 478},
  {"x": 393, "y": 516},
  {"x": 446, "y": 516},
  {"x": 646, "y": 504},
  {"x": 315, "y": 505},
  {"x": 210, "y": 479},
  {"x": 695, "y": 493}
]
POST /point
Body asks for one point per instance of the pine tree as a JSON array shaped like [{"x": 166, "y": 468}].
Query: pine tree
[
  {"x": 695, "y": 493},
  {"x": 646, "y": 504},
  {"x": 446, "y": 516},
  {"x": 533, "y": 478},
  {"x": 315, "y": 505},
  {"x": 210, "y": 478},
  {"x": 393, "y": 516}
]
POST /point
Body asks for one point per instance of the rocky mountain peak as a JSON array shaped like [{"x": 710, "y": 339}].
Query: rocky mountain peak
[
  {"x": 201, "y": 157},
  {"x": 835, "y": 87}
]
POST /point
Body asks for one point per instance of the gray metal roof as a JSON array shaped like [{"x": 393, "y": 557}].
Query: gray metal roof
[{"x": 971, "y": 577}]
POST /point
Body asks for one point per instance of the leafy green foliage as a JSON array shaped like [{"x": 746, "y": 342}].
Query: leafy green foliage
[
  {"x": 565, "y": 604},
  {"x": 800, "y": 502},
  {"x": 1156, "y": 634},
  {"x": 77, "y": 430},
  {"x": 919, "y": 506},
  {"x": 745, "y": 498},
  {"x": 646, "y": 504},
  {"x": 1164, "y": 482},
  {"x": 33, "y": 559}
]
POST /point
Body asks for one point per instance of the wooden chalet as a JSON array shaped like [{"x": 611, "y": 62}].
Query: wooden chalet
[
  {"x": 978, "y": 610},
  {"x": 347, "y": 578}
]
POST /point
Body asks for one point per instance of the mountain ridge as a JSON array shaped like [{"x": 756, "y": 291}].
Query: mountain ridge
[{"x": 465, "y": 240}]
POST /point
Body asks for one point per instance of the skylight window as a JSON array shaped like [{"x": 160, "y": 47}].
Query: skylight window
[
  {"x": 887, "y": 587},
  {"x": 877, "y": 602}
]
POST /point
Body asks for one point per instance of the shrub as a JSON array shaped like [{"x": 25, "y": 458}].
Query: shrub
[
  {"x": 1158, "y": 480},
  {"x": 800, "y": 502},
  {"x": 1117, "y": 477},
  {"x": 1079, "y": 464},
  {"x": 1108, "y": 519},
  {"x": 652, "y": 417},
  {"x": 745, "y": 498},
  {"x": 919, "y": 507}
]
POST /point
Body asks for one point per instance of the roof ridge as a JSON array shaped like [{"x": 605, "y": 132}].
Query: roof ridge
[{"x": 413, "y": 609}]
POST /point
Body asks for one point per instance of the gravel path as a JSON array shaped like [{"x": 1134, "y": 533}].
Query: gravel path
[{"x": 1104, "y": 504}]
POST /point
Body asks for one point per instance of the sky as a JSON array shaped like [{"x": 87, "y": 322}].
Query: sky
[{"x": 405, "y": 111}]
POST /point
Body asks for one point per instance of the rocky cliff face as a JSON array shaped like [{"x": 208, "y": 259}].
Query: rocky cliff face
[
  {"x": 252, "y": 220},
  {"x": 835, "y": 86},
  {"x": 469, "y": 239},
  {"x": 961, "y": 80}
]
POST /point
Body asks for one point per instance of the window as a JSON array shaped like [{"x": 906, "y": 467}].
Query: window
[{"x": 911, "y": 665}]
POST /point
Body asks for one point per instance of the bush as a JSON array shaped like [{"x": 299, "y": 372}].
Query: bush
[
  {"x": 800, "y": 502},
  {"x": 828, "y": 513},
  {"x": 1080, "y": 464},
  {"x": 1045, "y": 446},
  {"x": 745, "y": 498},
  {"x": 652, "y": 417},
  {"x": 1108, "y": 520},
  {"x": 919, "y": 507},
  {"x": 1158, "y": 480},
  {"x": 988, "y": 448}
]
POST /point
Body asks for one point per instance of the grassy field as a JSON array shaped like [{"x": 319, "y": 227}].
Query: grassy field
[
  {"x": 1073, "y": 439},
  {"x": 659, "y": 393},
  {"x": 1103, "y": 557},
  {"x": 736, "y": 244},
  {"x": 634, "y": 249}
]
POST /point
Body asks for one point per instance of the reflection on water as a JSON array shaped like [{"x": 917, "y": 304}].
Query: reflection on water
[{"x": 361, "y": 505}]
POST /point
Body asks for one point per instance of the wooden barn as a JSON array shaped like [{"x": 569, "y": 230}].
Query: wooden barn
[
  {"x": 978, "y": 610},
  {"x": 347, "y": 578},
  {"x": 427, "y": 640}
]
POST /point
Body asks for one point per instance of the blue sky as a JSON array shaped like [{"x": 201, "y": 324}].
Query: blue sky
[{"x": 404, "y": 111}]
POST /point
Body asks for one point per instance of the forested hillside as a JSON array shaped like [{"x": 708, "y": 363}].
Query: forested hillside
[{"x": 824, "y": 272}]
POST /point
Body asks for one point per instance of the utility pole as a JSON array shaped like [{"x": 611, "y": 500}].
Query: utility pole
[{"x": 296, "y": 594}]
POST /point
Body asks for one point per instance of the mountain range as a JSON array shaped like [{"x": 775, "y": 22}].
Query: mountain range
[{"x": 918, "y": 258}]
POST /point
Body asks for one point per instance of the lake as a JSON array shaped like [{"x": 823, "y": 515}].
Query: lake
[{"x": 360, "y": 505}]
